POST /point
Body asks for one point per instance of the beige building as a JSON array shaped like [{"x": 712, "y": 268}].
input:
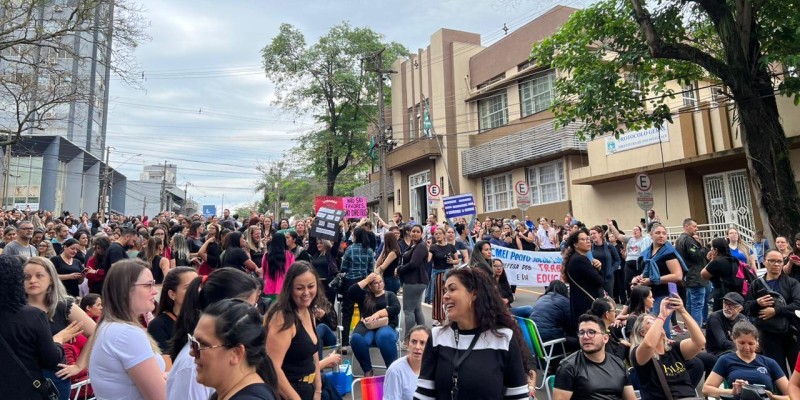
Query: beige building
[{"x": 475, "y": 119}]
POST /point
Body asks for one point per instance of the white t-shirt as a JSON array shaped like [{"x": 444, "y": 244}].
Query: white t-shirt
[
  {"x": 118, "y": 348},
  {"x": 636, "y": 247},
  {"x": 182, "y": 379},
  {"x": 544, "y": 238},
  {"x": 400, "y": 381}
]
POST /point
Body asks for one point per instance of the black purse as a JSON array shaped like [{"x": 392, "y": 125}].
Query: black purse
[{"x": 44, "y": 386}]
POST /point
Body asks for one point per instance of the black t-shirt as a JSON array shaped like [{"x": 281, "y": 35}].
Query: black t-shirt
[
  {"x": 722, "y": 271},
  {"x": 256, "y": 391},
  {"x": 114, "y": 253},
  {"x": 161, "y": 329},
  {"x": 662, "y": 290},
  {"x": 440, "y": 254},
  {"x": 674, "y": 366},
  {"x": 235, "y": 257},
  {"x": 72, "y": 285},
  {"x": 592, "y": 381}
]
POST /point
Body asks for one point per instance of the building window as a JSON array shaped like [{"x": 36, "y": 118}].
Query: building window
[
  {"x": 636, "y": 84},
  {"x": 536, "y": 94},
  {"x": 689, "y": 95},
  {"x": 412, "y": 122},
  {"x": 493, "y": 111},
  {"x": 716, "y": 96},
  {"x": 497, "y": 193},
  {"x": 548, "y": 183}
]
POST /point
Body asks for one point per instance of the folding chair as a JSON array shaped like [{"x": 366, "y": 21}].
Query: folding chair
[
  {"x": 549, "y": 386},
  {"x": 79, "y": 387},
  {"x": 371, "y": 388},
  {"x": 543, "y": 351}
]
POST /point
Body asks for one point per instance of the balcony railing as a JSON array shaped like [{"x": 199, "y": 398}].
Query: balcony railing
[
  {"x": 525, "y": 147},
  {"x": 372, "y": 191}
]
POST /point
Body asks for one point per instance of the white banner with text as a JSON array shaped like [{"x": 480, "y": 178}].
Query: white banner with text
[{"x": 529, "y": 268}]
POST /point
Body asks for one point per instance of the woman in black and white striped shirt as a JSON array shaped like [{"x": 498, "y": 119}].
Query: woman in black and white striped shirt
[{"x": 478, "y": 354}]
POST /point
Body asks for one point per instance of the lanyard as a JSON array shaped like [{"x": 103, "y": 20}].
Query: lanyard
[{"x": 457, "y": 362}]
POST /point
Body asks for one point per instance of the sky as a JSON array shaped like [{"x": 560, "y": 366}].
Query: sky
[{"x": 206, "y": 104}]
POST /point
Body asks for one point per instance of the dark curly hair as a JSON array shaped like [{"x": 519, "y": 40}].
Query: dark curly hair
[
  {"x": 12, "y": 290},
  {"x": 570, "y": 251},
  {"x": 491, "y": 314},
  {"x": 284, "y": 304}
]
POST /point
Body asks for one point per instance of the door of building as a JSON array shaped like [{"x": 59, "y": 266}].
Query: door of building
[
  {"x": 728, "y": 199},
  {"x": 418, "y": 196}
]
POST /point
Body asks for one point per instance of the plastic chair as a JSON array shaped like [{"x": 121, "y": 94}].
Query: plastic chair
[
  {"x": 548, "y": 388},
  {"x": 543, "y": 351},
  {"x": 371, "y": 388}
]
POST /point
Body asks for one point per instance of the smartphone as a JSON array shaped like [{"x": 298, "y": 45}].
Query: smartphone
[
  {"x": 794, "y": 257},
  {"x": 673, "y": 289}
]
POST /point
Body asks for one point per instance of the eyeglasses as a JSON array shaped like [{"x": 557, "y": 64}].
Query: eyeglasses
[
  {"x": 591, "y": 333},
  {"x": 774, "y": 261},
  {"x": 728, "y": 305},
  {"x": 148, "y": 285},
  {"x": 194, "y": 345}
]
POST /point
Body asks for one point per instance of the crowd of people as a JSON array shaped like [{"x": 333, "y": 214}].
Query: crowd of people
[{"x": 187, "y": 307}]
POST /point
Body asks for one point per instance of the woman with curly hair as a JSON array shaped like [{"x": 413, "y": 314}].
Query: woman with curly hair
[
  {"x": 25, "y": 331},
  {"x": 490, "y": 363}
]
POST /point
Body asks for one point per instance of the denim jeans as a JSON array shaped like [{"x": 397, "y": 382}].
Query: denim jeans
[
  {"x": 63, "y": 385},
  {"x": 385, "y": 338},
  {"x": 656, "y": 309},
  {"x": 522, "y": 311},
  {"x": 698, "y": 303},
  {"x": 391, "y": 284},
  {"x": 326, "y": 337}
]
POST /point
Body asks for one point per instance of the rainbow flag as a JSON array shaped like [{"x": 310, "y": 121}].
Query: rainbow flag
[{"x": 372, "y": 388}]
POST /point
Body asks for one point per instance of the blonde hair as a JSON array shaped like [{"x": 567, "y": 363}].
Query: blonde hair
[
  {"x": 740, "y": 245},
  {"x": 257, "y": 246},
  {"x": 637, "y": 336},
  {"x": 56, "y": 292}
]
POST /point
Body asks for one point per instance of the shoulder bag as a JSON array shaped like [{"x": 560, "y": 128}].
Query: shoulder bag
[
  {"x": 44, "y": 386},
  {"x": 776, "y": 324},
  {"x": 663, "y": 380}
]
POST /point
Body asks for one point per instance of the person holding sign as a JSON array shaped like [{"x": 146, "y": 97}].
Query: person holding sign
[{"x": 443, "y": 255}]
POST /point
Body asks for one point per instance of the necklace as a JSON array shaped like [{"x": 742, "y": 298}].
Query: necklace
[{"x": 235, "y": 388}]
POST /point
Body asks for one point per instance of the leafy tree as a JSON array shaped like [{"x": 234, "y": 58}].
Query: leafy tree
[
  {"x": 43, "y": 42},
  {"x": 330, "y": 81},
  {"x": 745, "y": 45}
]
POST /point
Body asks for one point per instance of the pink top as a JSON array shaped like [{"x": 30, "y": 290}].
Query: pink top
[{"x": 274, "y": 286}]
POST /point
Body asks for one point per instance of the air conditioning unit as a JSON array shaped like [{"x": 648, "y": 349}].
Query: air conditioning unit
[{"x": 58, "y": 8}]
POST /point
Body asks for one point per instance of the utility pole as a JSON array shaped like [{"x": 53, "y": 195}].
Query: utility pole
[
  {"x": 105, "y": 182},
  {"x": 186, "y": 197},
  {"x": 6, "y": 167},
  {"x": 279, "y": 170},
  {"x": 382, "y": 139},
  {"x": 144, "y": 206},
  {"x": 164, "y": 202}
]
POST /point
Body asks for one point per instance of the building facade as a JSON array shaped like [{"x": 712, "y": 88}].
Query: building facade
[
  {"x": 57, "y": 165},
  {"x": 474, "y": 119}
]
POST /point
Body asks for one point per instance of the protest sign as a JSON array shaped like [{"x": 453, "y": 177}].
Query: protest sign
[
  {"x": 327, "y": 223},
  {"x": 529, "y": 268},
  {"x": 461, "y": 205},
  {"x": 332, "y": 202},
  {"x": 356, "y": 207}
]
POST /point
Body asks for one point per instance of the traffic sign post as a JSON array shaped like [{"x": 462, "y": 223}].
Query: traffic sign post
[
  {"x": 523, "y": 195},
  {"x": 434, "y": 195},
  {"x": 644, "y": 191}
]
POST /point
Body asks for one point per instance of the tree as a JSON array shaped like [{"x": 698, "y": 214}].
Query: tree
[
  {"x": 297, "y": 187},
  {"x": 744, "y": 45},
  {"x": 42, "y": 44},
  {"x": 329, "y": 80}
]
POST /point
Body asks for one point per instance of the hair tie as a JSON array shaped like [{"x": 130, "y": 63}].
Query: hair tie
[{"x": 203, "y": 282}]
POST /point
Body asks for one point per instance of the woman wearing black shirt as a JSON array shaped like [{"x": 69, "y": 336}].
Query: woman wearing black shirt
[
  {"x": 292, "y": 341},
  {"x": 586, "y": 281},
  {"x": 376, "y": 304},
  {"x": 152, "y": 255},
  {"x": 236, "y": 256},
  {"x": 412, "y": 274},
  {"x": 444, "y": 256},
  {"x": 720, "y": 271},
  {"x": 69, "y": 268},
  {"x": 211, "y": 250},
  {"x": 82, "y": 236},
  {"x": 388, "y": 261},
  {"x": 169, "y": 305},
  {"x": 325, "y": 265}
]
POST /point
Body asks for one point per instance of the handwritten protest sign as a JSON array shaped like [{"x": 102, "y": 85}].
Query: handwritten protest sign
[
  {"x": 356, "y": 207},
  {"x": 332, "y": 202},
  {"x": 529, "y": 268},
  {"x": 326, "y": 223}
]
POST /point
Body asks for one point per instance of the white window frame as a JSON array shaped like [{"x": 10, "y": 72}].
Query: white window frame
[
  {"x": 537, "y": 93},
  {"x": 716, "y": 95},
  {"x": 690, "y": 95},
  {"x": 495, "y": 198},
  {"x": 493, "y": 111},
  {"x": 535, "y": 178},
  {"x": 412, "y": 121}
]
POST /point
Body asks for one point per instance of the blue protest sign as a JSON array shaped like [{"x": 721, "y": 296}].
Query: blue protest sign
[
  {"x": 459, "y": 206},
  {"x": 209, "y": 210}
]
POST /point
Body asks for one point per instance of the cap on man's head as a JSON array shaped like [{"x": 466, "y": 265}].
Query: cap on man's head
[{"x": 734, "y": 297}]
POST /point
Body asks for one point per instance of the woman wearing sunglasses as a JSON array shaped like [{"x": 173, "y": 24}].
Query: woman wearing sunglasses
[
  {"x": 228, "y": 349},
  {"x": 125, "y": 363},
  {"x": 221, "y": 284}
]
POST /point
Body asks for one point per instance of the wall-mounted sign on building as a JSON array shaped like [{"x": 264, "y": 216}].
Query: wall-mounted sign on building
[{"x": 635, "y": 139}]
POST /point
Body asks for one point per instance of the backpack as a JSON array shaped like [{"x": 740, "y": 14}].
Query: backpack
[
  {"x": 743, "y": 279},
  {"x": 776, "y": 324}
]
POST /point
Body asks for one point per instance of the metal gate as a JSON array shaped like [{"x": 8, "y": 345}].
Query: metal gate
[{"x": 728, "y": 199}]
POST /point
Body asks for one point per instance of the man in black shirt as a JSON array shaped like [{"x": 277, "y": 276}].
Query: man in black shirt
[
  {"x": 590, "y": 373},
  {"x": 119, "y": 249},
  {"x": 720, "y": 324},
  {"x": 694, "y": 255}
]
